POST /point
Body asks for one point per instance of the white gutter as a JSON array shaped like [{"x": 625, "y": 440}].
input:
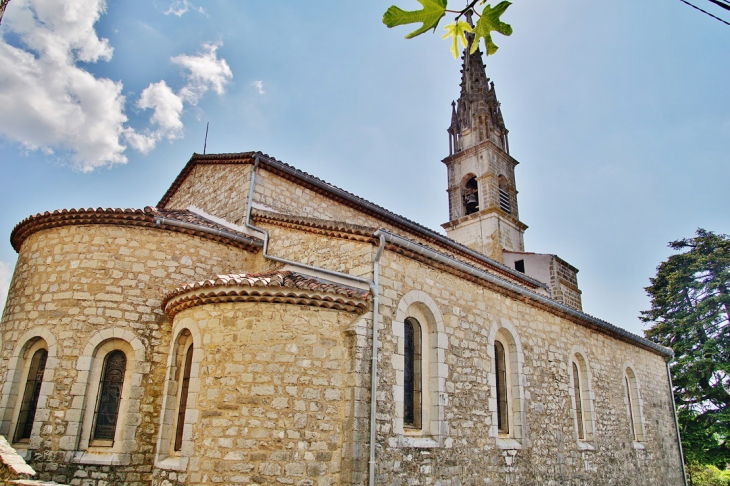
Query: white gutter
[
  {"x": 373, "y": 284},
  {"x": 159, "y": 220}
]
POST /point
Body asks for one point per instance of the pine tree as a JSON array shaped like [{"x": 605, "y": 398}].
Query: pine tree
[{"x": 690, "y": 312}]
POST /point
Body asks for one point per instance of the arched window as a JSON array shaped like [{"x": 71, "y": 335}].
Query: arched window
[
  {"x": 504, "y": 200},
  {"x": 412, "y": 375},
  {"x": 470, "y": 195},
  {"x": 506, "y": 402},
  {"x": 502, "y": 388},
  {"x": 29, "y": 404},
  {"x": 183, "y": 403},
  {"x": 109, "y": 398},
  {"x": 175, "y": 445},
  {"x": 420, "y": 372},
  {"x": 633, "y": 405},
  {"x": 577, "y": 403},
  {"x": 581, "y": 398}
]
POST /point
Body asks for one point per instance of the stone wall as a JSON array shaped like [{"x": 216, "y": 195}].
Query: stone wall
[
  {"x": 273, "y": 394},
  {"x": 75, "y": 286},
  {"x": 549, "y": 452},
  {"x": 221, "y": 190},
  {"x": 279, "y": 194},
  {"x": 469, "y": 453}
]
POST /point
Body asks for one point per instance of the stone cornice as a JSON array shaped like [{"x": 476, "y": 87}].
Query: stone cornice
[
  {"x": 146, "y": 218},
  {"x": 278, "y": 287}
]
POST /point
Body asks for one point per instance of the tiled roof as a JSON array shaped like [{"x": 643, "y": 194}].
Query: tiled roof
[
  {"x": 147, "y": 217},
  {"x": 278, "y": 286},
  {"x": 317, "y": 225}
]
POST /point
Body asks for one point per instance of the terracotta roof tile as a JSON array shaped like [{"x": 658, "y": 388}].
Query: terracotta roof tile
[
  {"x": 131, "y": 217},
  {"x": 280, "y": 286}
]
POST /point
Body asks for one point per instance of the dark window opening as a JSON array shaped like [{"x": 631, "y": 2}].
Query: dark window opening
[
  {"x": 471, "y": 196},
  {"x": 501, "y": 371},
  {"x": 631, "y": 408},
  {"x": 520, "y": 266},
  {"x": 412, "y": 374},
  {"x": 183, "y": 399},
  {"x": 110, "y": 397},
  {"x": 578, "y": 404},
  {"x": 30, "y": 396}
]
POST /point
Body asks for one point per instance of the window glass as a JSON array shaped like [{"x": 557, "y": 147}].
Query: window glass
[
  {"x": 183, "y": 404},
  {"x": 412, "y": 374},
  {"x": 110, "y": 396},
  {"x": 30, "y": 395},
  {"x": 501, "y": 372},
  {"x": 578, "y": 397}
]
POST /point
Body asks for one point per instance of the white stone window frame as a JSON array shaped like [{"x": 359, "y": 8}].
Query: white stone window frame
[
  {"x": 579, "y": 355},
  {"x": 637, "y": 404},
  {"x": 84, "y": 393},
  {"x": 166, "y": 457},
  {"x": 17, "y": 374},
  {"x": 434, "y": 399},
  {"x": 506, "y": 333}
]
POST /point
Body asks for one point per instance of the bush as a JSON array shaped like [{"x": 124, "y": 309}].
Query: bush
[{"x": 707, "y": 475}]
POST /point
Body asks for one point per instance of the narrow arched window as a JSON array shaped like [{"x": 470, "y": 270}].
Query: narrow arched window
[
  {"x": 501, "y": 372},
  {"x": 183, "y": 404},
  {"x": 470, "y": 193},
  {"x": 577, "y": 403},
  {"x": 31, "y": 394},
  {"x": 631, "y": 408},
  {"x": 504, "y": 200},
  {"x": 412, "y": 381},
  {"x": 110, "y": 396},
  {"x": 633, "y": 399}
]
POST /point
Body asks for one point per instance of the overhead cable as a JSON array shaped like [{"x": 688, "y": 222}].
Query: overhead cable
[
  {"x": 722, "y": 4},
  {"x": 705, "y": 12}
]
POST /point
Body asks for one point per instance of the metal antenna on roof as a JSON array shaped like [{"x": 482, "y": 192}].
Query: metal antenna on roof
[{"x": 205, "y": 145}]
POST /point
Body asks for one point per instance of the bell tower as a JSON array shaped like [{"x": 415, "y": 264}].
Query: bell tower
[{"x": 482, "y": 192}]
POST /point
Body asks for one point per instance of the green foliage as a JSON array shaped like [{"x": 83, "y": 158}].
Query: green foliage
[
  {"x": 434, "y": 10},
  {"x": 702, "y": 475},
  {"x": 457, "y": 30},
  {"x": 690, "y": 312},
  {"x": 430, "y": 16},
  {"x": 490, "y": 22}
]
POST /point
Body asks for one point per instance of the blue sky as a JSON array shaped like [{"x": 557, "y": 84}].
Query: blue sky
[{"x": 618, "y": 112}]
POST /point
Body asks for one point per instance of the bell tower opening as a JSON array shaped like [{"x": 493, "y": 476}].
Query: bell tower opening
[
  {"x": 470, "y": 194},
  {"x": 504, "y": 200}
]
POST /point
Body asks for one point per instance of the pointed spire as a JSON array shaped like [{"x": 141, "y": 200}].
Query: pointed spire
[
  {"x": 478, "y": 115},
  {"x": 454, "y": 120}
]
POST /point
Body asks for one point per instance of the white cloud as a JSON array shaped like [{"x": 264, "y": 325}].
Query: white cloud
[
  {"x": 181, "y": 7},
  {"x": 49, "y": 103},
  {"x": 259, "y": 85},
  {"x": 206, "y": 72},
  {"x": 167, "y": 108},
  {"x": 46, "y": 101},
  {"x": 6, "y": 274}
]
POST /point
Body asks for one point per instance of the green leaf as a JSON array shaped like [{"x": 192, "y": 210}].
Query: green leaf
[
  {"x": 458, "y": 31},
  {"x": 489, "y": 22},
  {"x": 430, "y": 16}
]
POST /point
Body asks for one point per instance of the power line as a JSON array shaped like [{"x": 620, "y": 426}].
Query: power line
[
  {"x": 705, "y": 12},
  {"x": 722, "y": 4}
]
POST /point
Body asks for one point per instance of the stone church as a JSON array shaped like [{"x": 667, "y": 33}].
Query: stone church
[{"x": 260, "y": 326}]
